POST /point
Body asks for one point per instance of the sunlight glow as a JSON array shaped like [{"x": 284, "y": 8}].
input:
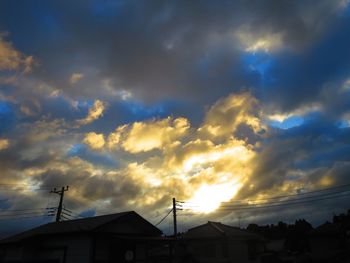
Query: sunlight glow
[
  {"x": 240, "y": 153},
  {"x": 209, "y": 197}
]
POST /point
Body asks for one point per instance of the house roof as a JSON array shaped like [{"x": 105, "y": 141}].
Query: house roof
[
  {"x": 91, "y": 224},
  {"x": 326, "y": 230},
  {"x": 217, "y": 229}
]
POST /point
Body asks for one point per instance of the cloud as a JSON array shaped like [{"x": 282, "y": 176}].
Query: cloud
[
  {"x": 267, "y": 43},
  {"x": 229, "y": 69},
  {"x": 176, "y": 58},
  {"x": 226, "y": 115},
  {"x": 95, "y": 112},
  {"x": 94, "y": 140},
  {"x": 11, "y": 59},
  {"x": 146, "y": 136},
  {"x": 172, "y": 157},
  {"x": 346, "y": 85},
  {"x": 75, "y": 77},
  {"x": 302, "y": 111},
  {"x": 4, "y": 144},
  {"x": 187, "y": 156}
]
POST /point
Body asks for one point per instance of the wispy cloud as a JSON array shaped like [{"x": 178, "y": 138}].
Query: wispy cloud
[
  {"x": 75, "y": 77},
  {"x": 12, "y": 59},
  {"x": 95, "y": 112}
]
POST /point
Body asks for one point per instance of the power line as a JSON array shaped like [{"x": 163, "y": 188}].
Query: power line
[
  {"x": 70, "y": 211},
  {"x": 73, "y": 214},
  {"x": 21, "y": 210},
  {"x": 303, "y": 193},
  {"x": 285, "y": 202},
  {"x": 295, "y": 199},
  {"x": 281, "y": 196},
  {"x": 22, "y": 214},
  {"x": 281, "y": 203},
  {"x": 24, "y": 189},
  {"x": 247, "y": 207},
  {"x": 20, "y": 218},
  {"x": 164, "y": 217},
  {"x": 25, "y": 185},
  {"x": 60, "y": 204},
  {"x": 64, "y": 217}
]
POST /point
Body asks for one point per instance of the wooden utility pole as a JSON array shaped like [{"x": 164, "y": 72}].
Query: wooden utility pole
[
  {"x": 174, "y": 217},
  {"x": 60, "y": 204}
]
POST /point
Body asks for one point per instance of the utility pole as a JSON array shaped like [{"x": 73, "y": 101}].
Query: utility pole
[
  {"x": 174, "y": 217},
  {"x": 60, "y": 204}
]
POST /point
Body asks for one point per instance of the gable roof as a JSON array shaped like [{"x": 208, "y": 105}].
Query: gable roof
[
  {"x": 84, "y": 225},
  {"x": 326, "y": 230},
  {"x": 217, "y": 229}
]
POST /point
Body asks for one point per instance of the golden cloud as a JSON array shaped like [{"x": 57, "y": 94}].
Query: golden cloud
[
  {"x": 94, "y": 141},
  {"x": 191, "y": 159},
  {"x": 146, "y": 136},
  {"x": 95, "y": 112},
  {"x": 75, "y": 77},
  {"x": 4, "y": 144},
  {"x": 11, "y": 59},
  {"x": 115, "y": 137},
  {"x": 225, "y": 116},
  {"x": 252, "y": 42},
  {"x": 301, "y": 111},
  {"x": 189, "y": 163}
]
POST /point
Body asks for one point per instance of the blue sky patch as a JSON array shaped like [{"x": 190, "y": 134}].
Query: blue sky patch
[
  {"x": 288, "y": 123},
  {"x": 83, "y": 152}
]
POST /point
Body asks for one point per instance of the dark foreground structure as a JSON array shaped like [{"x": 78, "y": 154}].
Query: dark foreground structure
[
  {"x": 217, "y": 242},
  {"x": 128, "y": 237},
  {"x": 121, "y": 237}
]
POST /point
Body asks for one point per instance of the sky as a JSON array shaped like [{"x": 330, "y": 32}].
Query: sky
[{"x": 132, "y": 103}]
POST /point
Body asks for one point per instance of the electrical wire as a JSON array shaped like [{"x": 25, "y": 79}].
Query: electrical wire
[
  {"x": 21, "y": 210},
  {"x": 23, "y": 213},
  {"x": 73, "y": 214},
  {"x": 257, "y": 207},
  {"x": 20, "y": 218},
  {"x": 286, "y": 202},
  {"x": 24, "y": 187},
  {"x": 164, "y": 217},
  {"x": 281, "y": 196}
]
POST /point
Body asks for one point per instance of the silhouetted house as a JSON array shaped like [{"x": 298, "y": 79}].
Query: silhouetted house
[
  {"x": 275, "y": 235},
  {"x": 330, "y": 243},
  {"x": 216, "y": 242},
  {"x": 121, "y": 237}
]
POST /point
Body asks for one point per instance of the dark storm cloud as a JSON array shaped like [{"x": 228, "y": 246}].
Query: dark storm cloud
[
  {"x": 157, "y": 49},
  {"x": 315, "y": 74},
  {"x": 319, "y": 150}
]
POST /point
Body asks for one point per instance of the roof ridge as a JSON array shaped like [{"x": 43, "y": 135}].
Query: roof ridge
[
  {"x": 88, "y": 224},
  {"x": 215, "y": 225},
  {"x": 122, "y": 214},
  {"x": 89, "y": 217}
]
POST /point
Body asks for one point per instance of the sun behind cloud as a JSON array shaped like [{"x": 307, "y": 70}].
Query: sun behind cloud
[
  {"x": 173, "y": 157},
  {"x": 209, "y": 197}
]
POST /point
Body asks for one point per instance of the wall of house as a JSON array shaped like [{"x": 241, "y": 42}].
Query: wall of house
[
  {"x": 275, "y": 245},
  {"x": 11, "y": 253},
  {"x": 64, "y": 249},
  {"x": 224, "y": 250},
  {"x": 78, "y": 248},
  {"x": 245, "y": 251},
  {"x": 109, "y": 249},
  {"x": 323, "y": 248},
  {"x": 238, "y": 251},
  {"x": 208, "y": 250}
]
